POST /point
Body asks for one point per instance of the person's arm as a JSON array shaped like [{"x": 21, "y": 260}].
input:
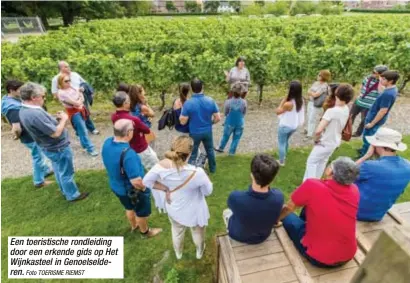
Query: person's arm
[
  {"x": 139, "y": 125},
  {"x": 245, "y": 107},
  {"x": 133, "y": 169},
  {"x": 137, "y": 183},
  {"x": 147, "y": 111},
  {"x": 382, "y": 112},
  {"x": 370, "y": 152},
  {"x": 16, "y": 130},
  {"x": 284, "y": 106},
  {"x": 287, "y": 209},
  {"x": 216, "y": 117},
  {"x": 206, "y": 185},
  {"x": 61, "y": 124},
  {"x": 321, "y": 127},
  {"x": 184, "y": 117},
  {"x": 227, "y": 107},
  {"x": 14, "y": 119},
  {"x": 54, "y": 88}
]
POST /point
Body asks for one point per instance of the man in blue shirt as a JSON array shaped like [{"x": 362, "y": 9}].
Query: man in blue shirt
[
  {"x": 379, "y": 112},
  {"x": 10, "y": 108},
  {"x": 128, "y": 177},
  {"x": 383, "y": 180},
  {"x": 253, "y": 213},
  {"x": 202, "y": 112}
]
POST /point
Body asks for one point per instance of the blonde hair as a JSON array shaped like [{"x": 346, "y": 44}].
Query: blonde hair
[
  {"x": 326, "y": 75},
  {"x": 180, "y": 150},
  {"x": 61, "y": 80}
]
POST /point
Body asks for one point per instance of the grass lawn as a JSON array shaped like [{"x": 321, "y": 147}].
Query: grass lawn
[{"x": 30, "y": 212}]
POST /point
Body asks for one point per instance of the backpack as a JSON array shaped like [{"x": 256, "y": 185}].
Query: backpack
[{"x": 168, "y": 119}]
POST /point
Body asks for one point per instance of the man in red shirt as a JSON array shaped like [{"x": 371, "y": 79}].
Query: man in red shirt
[{"x": 325, "y": 232}]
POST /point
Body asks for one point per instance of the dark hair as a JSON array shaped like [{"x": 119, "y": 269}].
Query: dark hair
[
  {"x": 134, "y": 94},
  {"x": 237, "y": 89},
  {"x": 264, "y": 169},
  {"x": 196, "y": 85},
  {"x": 240, "y": 59},
  {"x": 13, "y": 85},
  {"x": 123, "y": 87},
  {"x": 119, "y": 98},
  {"x": 183, "y": 92},
  {"x": 345, "y": 92},
  {"x": 295, "y": 92},
  {"x": 333, "y": 88},
  {"x": 391, "y": 76}
]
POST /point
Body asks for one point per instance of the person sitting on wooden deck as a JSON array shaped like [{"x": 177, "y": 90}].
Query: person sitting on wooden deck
[
  {"x": 252, "y": 213},
  {"x": 324, "y": 233},
  {"x": 383, "y": 180}
]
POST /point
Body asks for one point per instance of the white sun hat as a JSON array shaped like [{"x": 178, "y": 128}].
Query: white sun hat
[{"x": 389, "y": 138}]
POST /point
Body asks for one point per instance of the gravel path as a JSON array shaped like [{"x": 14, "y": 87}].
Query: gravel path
[{"x": 259, "y": 135}]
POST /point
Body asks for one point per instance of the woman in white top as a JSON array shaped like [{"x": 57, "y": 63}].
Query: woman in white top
[
  {"x": 291, "y": 114},
  {"x": 328, "y": 134},
  {"x": 240, "y": 74},
  {"x": 186, "y": 187},
  {"x": 319, "y": 88}
]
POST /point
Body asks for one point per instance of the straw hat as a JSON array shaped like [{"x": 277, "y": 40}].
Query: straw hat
[{"x": 389, "y": 138}]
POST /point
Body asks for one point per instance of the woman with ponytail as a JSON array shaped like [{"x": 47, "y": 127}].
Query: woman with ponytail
[{"x": 185, "y": 187}]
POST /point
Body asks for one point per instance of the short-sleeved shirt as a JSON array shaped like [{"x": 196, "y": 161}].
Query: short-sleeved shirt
[
  {"x": 240, "y": 75},
  {"x": 254, "y": 214},
  {"x": 199, "y": 109},
  {"x": 337, "y": 118},
  {"x": 69, "y": 93},
  {"x": 138, "y": 142},
  {"x": 235, "y": 110},
  {"x": 368, "y": 92},
  {"x": 75, "y": 78},
  {"x": 385, "y": 100},
  {"x": 41, "y": 125},
  {"x": 322, "y": 88},
  {"x": 111, "y": 154},
  {"x": 380, "y": 183},
  {"x": 331, "y": 210},
  {"x": 12, "y": 115}
]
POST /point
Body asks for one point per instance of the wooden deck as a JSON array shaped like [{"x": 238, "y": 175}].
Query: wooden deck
[{"x": 277, "y": 261}]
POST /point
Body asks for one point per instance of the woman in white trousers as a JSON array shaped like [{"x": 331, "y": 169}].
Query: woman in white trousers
[
  {"x": 184, "y": 187},
  {"x": 329, "y": 133},
  {"x": 319, "y": 88}
]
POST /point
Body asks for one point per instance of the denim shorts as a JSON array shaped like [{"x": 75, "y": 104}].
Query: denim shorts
[{"x": 143, "y": 207}]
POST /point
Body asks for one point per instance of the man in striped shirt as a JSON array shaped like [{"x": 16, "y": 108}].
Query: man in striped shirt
[{"x": 368, "y": 94}]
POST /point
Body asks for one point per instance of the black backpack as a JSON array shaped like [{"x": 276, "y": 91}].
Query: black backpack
[{"x": 168, "y": 119}]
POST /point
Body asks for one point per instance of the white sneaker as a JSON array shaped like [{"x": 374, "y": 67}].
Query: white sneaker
[
  {"x": 178, "y": 255},
  {"x": 199, "y": 254},
  {"x": 95, "y": 132},
  {"x": 282, "y": 164}
]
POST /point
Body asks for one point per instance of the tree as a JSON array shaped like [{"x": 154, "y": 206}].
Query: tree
[
  {"x": 236, "y": 5},
  {"x": 211, "y": 6},
  {"x": 260, "y": 3},
  {"x": 192, "y": 7},
  {"x": 170, "y": 6}
]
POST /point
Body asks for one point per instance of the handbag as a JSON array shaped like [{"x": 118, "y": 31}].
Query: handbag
[
  {"x": 348, "y": 129},
  {"x": 150, "y": 137},
  {"x": 318, "y": 101}
]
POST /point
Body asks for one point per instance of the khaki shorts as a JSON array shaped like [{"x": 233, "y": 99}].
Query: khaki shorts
[{"x": 148, "y": 158}]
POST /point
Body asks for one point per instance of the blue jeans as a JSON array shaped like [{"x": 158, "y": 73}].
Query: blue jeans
[
  {"x": 40, "y": 167},
  {"x": 89, "y": 123},
  {"x": 207, "y": 140},
  {"x": 62, "y": 162},
  {"x": 237, "y": 134},
  {"x": 80, "y": 127},
  {"x": 295, "y": 226},
  {"x": 368, "y": 132},
  {"x": 284, "y": 134}
]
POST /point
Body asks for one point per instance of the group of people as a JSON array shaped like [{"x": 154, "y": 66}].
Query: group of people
[{"x": 351, "y": 190}]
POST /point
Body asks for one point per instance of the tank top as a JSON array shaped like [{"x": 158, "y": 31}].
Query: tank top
[
  {"x": 292, "y": 118},
  {"x": 137, "y": 113}
]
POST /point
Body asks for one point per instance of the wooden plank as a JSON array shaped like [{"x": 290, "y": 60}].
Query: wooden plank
[
  {"x": 388, "y": 260},
  {"x": 371, "y": 226},
  {"x": 363, "y": 242},
  {"x": 359, "y": 256},
  {"x": 234, "y": 243},
  {"x": 222, "y": 273},
  {"x": 401, "y": 207},
  {"x": 396, "y": 216},
  {"x": 342, "y": 276},
  {"x": 315, "y": 271},
  {"x": 406, "y": 217},
  {"x": 276, "y": 275},
  {"x": 228, "y": 260},
  {"x": 265, "y": 248},
  {"x": 294, "y": 257},
  {"x": 265, "y": 262}
]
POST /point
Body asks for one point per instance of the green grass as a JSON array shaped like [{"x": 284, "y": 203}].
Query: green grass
[{"x": 30, "y": 212}]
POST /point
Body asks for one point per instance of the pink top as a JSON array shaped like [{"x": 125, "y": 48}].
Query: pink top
[{"x": 69, "y": 93}]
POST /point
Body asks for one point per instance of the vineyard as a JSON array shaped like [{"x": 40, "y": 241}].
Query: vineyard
[{"x": 159, "y": 53}]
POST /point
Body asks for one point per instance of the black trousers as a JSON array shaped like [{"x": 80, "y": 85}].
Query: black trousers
[{"x": 356, "y": 109}]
